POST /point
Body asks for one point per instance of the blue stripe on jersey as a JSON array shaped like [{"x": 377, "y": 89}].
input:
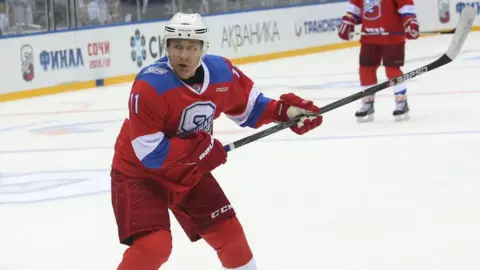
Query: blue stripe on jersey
[
  {"x": 260, "y": 104},
  {"x": 160, "y": 77},
  {"x": 408, "y": 14},
  {"x": 220, "y": 72},
  {"x": 155, "y": 159}
]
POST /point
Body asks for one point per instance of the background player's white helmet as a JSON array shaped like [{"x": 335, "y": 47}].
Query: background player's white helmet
[{"x": 187, "y": 26}]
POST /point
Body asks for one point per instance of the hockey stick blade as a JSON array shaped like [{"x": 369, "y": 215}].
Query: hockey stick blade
[{"x": 464, "y": 26}]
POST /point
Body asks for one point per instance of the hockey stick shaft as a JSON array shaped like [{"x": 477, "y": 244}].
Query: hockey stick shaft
[
  {"x": 464, "y": 26},
  {"x": 448, "y": 32},
  {"x": 339, "y": 103}
]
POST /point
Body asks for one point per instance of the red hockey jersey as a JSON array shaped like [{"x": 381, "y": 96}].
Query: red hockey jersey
[
  {"x": 163, "y": 110},
  {"x": 382, "y": 16}
]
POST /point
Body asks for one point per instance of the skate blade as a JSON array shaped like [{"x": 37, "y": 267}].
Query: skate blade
[
  {"x": 403, "y": 117},
  {"x": 365, "y": 119}
]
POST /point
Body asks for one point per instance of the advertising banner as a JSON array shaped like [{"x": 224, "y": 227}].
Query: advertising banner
[{"x": 49, "y": 60}]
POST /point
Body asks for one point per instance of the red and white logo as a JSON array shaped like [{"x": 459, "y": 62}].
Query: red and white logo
[
  {"x": 26, "y": 56},
  {"x": 444, "y": 11},
  {"x": 372, "y": 9}
]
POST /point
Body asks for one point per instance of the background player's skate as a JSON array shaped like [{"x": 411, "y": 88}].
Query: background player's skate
[
  {"x": 367, "y": 110},
  {"x": 401, "y": 112}
]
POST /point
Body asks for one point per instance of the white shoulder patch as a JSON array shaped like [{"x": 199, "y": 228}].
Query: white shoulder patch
[{"x": 156, "y": 70}]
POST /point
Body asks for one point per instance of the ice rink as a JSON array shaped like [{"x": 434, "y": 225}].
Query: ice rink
[{"x": 347, "y": 196}]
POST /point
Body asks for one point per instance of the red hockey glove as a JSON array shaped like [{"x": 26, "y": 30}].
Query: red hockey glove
[
  {"x": 208, "y": 153},
  {"x": 347, "y": 26},
  {"x": 412, "y": 29},
  {"x": 290, "y": 106}
]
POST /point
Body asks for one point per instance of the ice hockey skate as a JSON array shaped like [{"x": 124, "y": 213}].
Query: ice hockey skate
[
  {"x": 366, "y": 112},
  {"x": 401, "y": 112}
]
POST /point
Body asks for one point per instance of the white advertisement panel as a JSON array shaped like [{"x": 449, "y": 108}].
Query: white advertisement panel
[
  {"x": 46, "y": 60},
  {"x": 252, "y": 33},
  {"x": 442, "y": 14},
  {"x": 57, "y": 58},
  {"x": 435, "y": 14},
  {"x": 51, "y": 59},
  {"x": 255, "y": 33},
  {"x": 141, "y": 45},
  {"x": 457, "y": 6}
]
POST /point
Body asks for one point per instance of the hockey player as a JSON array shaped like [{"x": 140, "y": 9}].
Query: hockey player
[
  {"x": 166, "y": 151},
  {"x": 395, "y": 16}
]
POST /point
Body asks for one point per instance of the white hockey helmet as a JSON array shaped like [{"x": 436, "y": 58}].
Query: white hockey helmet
[{"x": 187, "y": 26}]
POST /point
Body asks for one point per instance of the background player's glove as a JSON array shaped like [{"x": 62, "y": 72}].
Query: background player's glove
[
  {"x": 346, "y": 27},
  {"x": 412, "y": 29},
  {"x": 290, "y": 106},
  {"x": 209, "y": 152}
]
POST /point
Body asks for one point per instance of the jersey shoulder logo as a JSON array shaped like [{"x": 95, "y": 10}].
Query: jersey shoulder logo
[{"x": 156, "y": 70}]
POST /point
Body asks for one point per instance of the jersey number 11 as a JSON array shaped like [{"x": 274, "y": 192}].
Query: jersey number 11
[{"x": 134, "y": 102}]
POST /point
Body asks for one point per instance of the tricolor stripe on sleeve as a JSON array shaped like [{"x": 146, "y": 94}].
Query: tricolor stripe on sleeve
[
  {"x": 407, "y": 10},
  {"x": 255, "y": 107},
  {"x": 355, "y": 11},
  {"x": 151, "y": 149}
]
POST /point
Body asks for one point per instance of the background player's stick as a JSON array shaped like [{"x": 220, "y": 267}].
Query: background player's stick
[
  {"x": 464, "y": 26},
  {"x": 445, "y": 32}
]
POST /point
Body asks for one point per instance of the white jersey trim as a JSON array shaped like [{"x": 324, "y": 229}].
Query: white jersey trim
[
  {"x": 242, "y": 118},
  {"x": 146, "y": 144},
  {"x": 249, "y": 266},
  {"x": 407, "y": 9},
  {"x": 354, "y": 10}
]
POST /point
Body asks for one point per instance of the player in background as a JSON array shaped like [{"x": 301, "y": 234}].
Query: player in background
[
  {"x": 396, "y": 16},
  {"x": 165, "y": 151}
]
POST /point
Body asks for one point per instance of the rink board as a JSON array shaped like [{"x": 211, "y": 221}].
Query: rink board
[{"x": 75, "y": 60}]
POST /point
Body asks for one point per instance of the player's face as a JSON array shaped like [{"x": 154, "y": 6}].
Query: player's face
[{"x": 184, "y": 55}]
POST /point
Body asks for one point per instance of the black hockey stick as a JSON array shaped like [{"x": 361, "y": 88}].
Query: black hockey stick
[
  {"x": 446, "y": 32},
  {"x": 464, "y": 26}
]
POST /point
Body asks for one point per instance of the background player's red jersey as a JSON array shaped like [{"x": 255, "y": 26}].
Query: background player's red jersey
[
  {"x": 163, "y": 111},
  {"x": 382, "y": 16}
]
